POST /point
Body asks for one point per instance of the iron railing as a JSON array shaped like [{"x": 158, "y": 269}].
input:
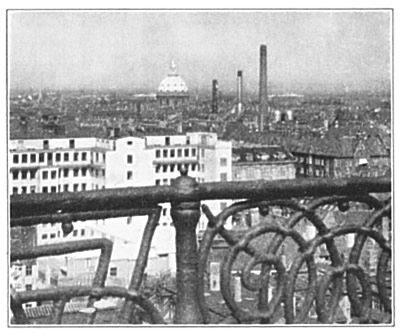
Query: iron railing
[{"x": 325, "y": 285}]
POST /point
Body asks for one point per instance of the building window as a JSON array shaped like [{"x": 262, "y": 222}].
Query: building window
[
  {"x": 157, "y": 181},
  {"x": 129, "y": 175},
  {"x": 33, "y": 189},
  {"x": 130, "y": 160},
  {"x": 45, "y": 175},
  {"x": 44, "y": 236},
  {"x": 45, "y": 144},
  {"x": 164, "y": 211},
  {"x": 15, "y": 159},
  {"x": 165, "y": 153},
  {"x": 65, "y": 172},
  {"x": 83, "y": 187},
  {"x": 53, "y": 174},
  {"x": 41, "y": 157},
  {"x": 28, "y": 287},
  {"x": 66, "y": 157},
  {"x": 15, "y": 175},
  {"x": 75, "y": 233},
  {"x": 165, "y": 168},
  {"x": 84, "y": 170},
  {"x": 49, "y": 157},
  {"x": 15, "y": 190},
  {"x": 82, "y": 232},
  {"x": 167, "y": 141},
  {"x": 165, "y": 181},
  {"x": 23, "y": 189},
  {"x": 84, "y": 156},
  {"x": 65, "y": 187},
  {"x": 224, "y": 176},
  {"x": 172, "y": 153},
  {"x": 71, "y": 144},
  {"x": 76, "y": 186},
  {"x": 113, "y": 271},
  {"x": 223, "y": 162},
  {"x": 52, "y": 236},
  {"x": 194, "y": 167},
  {"x": 76, "y": 172},
  {"x": 76, "y": 156},
  {"x": 193, "y": 152},
  {"x": 186, "y": 152},
  {"x": 158, "y": 153},
  {"x": 179, "y": 152},
  {"x": 33, "y": 158},
  {"x": 53, "y": 189},
  {"x": 28, "y": 270},
  {"x": 129, "y": 142},
  {"x": 188, "y": 140},
  {"x": 97, "y": 156},
  {"x": 33, "y": 173},
  {"x": 172, "y": 167},
  {"x": 24, "y": 158}
]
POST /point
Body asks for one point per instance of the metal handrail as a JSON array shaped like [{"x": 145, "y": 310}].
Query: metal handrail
[{"x": 185, "y": 196}]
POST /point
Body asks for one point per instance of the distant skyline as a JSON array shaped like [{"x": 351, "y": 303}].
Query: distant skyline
[{"x": 133, "y": 49}]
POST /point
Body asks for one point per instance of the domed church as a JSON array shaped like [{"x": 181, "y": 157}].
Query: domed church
[{"x": 172, "y": 91}]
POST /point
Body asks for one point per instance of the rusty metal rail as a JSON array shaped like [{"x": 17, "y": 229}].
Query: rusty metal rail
[{"x": 344, "y": 276}]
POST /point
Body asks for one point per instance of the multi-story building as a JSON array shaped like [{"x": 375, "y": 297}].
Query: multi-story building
[
  {"x": 349, "y": 156},
  {"x": 262, "y": 162},
  {"x": 57, "y": 165},
  {"x": 80, "y": 164}
]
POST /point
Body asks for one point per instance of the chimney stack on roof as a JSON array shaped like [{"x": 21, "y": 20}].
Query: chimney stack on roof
[
  {"x": 239, "y": 91},
  {"x": 214, "y": 103},
  {"x": 263, "y": 92}
]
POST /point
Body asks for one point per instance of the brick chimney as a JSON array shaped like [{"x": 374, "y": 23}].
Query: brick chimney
[
  {"x": 214, "y": 97},
  {"x": 239, "y": 91},
  {"x": 263, "y": 92}
]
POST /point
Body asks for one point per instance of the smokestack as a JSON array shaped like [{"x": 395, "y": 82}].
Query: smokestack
[
  {"x": 263, "y": 93},
  {"x": 214, "y": 103},
  {"x": 239, "y": 91}
]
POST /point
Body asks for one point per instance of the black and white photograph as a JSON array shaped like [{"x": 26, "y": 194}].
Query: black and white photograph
[{"x": 199, "y": 167}]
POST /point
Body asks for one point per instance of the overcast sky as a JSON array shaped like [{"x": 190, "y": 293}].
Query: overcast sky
[{"x": 134, "y": 49}]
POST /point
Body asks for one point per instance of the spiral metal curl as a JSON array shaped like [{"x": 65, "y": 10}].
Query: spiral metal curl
[{"x": 331, "y": 284}]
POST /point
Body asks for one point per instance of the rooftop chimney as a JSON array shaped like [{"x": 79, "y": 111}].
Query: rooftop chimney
[
  {"x": 239, "y": 91},
  {"x": 214, "y": 103},
  {"x": 263, "y": 93}
]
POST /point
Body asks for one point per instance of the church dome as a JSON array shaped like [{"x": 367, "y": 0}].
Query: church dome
[{"x": 173, "y": 83}]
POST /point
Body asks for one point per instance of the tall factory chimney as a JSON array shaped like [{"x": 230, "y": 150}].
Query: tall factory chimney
[
  {"x": 214, "y": 97},
  {"x": 239, "y": 91},
  {"x": 263, "y": 93}
]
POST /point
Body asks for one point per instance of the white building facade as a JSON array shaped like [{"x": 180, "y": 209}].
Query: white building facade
[{"x": 83, "y": 164}]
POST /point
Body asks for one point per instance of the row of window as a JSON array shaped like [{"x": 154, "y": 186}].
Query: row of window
[
  {"x": 57, "y": 157},
  {"x": 171, "y": 167},
  {"x": 167, "y": 181},
  {"x": 172, "y": 153},
  {"x": 54, "y": 189},
  {"x": 46, "y": 174},
  {"x": 52, "y": 236}
]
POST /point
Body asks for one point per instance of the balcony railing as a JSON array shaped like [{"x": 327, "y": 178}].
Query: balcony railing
[{"x": 276, "y": 283}]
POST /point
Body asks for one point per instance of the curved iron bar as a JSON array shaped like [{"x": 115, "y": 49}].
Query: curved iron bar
[
  {"x": 141, "y": 262},
  {"x": 99, "y": 279},
  {"x": 66, "y": 208},
  {"x": 354, "y": 259},
  {"x": 68, "y": 292},
  {"x": 216, "y": 225}
]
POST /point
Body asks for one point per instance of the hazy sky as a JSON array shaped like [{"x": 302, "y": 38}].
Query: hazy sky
[{"x": 134, "y": 49}]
